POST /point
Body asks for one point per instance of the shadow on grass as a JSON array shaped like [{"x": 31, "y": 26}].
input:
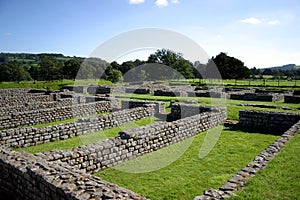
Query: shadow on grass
[{"x": 237, "y": 127}]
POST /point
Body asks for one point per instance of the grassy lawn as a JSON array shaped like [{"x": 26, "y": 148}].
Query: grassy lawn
[
  {"x": 189, "y": 175},
  {"x": 54, "y": 85},
  {"x": 280, "y": 179},
  {"x": 87, "y": 138}
]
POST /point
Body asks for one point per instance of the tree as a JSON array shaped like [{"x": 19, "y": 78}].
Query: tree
[
  {"x": 114, "y": 75},
  {"x": 71, "y": 68},
  {"x": 173, "y": 60},
  {"x": 230, "y": 67},
  {"x": 13, "y": 72},
  {"x": 50, "y": 68}
]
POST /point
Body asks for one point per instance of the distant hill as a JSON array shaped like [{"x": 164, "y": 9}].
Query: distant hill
[
  {"x": 30, "y": 58},
  {"x": 284, "y": 67}
]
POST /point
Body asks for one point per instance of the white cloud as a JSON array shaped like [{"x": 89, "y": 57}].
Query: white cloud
[
  {"x": 273, "y": 22},
  {"x": 162, "y": 3},
  {"x": 251, "y": 20},
  {"x": 175, "y": 1},
  {"x": 136, "y": 1}
]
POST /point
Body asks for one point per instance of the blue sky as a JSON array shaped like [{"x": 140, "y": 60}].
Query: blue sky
[{"x": 261, "y": 33}]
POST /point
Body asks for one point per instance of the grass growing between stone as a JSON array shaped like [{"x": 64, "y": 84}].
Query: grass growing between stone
[
  {"x": 87, "y": 138},
  {"x": 280, "y": 179},
  {"x": 190, "y": 175},
  {"x": 233, "y": 106}
]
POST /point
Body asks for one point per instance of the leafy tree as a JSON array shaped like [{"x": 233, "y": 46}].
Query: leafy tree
[
  {"x": 71, "y": 68},
  {"x": 50, "y": 68},
  {"x": 230, "y": 67},
  {"x": 173, "y": 60},
  {"x": 13, "y": 72},
  {"x": 114, "y": 75}
]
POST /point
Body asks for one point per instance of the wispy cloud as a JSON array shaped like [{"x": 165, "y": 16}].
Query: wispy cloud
[
  {"x": 165, "y": 3},
  {"x": 136, "y": 1},
  {"x": 254, "y": 21},
  {"x": 161, "y": 3},
  {"x": 251, "y": 20},
  {"x": 273, "y": 22}
]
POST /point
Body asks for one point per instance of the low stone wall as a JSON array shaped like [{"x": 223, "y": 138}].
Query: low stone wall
[
  {"x": 172, "y": 93},
  {"x": 238, "y": 181},
  {"x": 135, "y": 142},
  {"x": 25, "y": 176},
  {"x": 97, "y": 89},
  {"x": 23, "y": 99},
  {"x": 9, "y": 110},
  {"x": 137, "y": 90},
  {"x": 211, "y": 94},
  {"x": 291, "y": 99},
  {"x": 158, "y": 106},
  {"x": 53, "y": 114},
  {"x": 271, "y": 97},
  {"x": 180, "y": 111},
  {"x": 266, "y": 120},
  {"x": 24, "y": 137}
]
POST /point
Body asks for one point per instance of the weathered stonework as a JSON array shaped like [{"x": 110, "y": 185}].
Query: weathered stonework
[
  {"x": 135, "y": 142},
  {"x": 53, "y": 114},
  {"x": 266, "y": 120},
  {"x": 292, "y": 99},
  {"x": 25, "y": 176},
  {"x": 24, "y": 137},
  {"x": 238, "y": 181}
]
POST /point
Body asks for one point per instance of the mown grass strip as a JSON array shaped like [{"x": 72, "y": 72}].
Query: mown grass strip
[
  {"x": 189, "y": 175},
  {"x": 280, "y": 179},
  {"x": 87, "y": 138}
]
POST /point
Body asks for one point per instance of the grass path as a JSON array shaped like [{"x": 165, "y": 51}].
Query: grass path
[
  {"x": 189, "y": 175},
  {"x": 280, "y": 179}
]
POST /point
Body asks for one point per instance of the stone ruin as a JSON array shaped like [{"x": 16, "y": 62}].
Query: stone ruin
[{"x": 65, "y": 174}]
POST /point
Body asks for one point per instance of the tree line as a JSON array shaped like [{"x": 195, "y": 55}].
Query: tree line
[{"x": 47, "y": 67}]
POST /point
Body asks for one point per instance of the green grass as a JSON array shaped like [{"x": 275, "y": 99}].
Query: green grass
[
  {"x": 189, "y": 175},
  {"x": 53, "y": 85},
  {"x": 233, "y": 107},
  {"x": 87, "y": 138},
  {"x": 280, "y": 179}
]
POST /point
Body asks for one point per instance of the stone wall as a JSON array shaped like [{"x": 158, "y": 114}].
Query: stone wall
[
  {"x": 8, "y": 110},
  {"x": 179, "y": 111},
  {"x": 211, "y": 94},
  {"x": 238, "y": 181},
  {"x": 291, "y": 99},
  {"x": 158, "y": 106},
  {"x": 24, "y": 137},
  {"x": 25, "y": 176},
  {"x": 53, "y": 114},
  {"x": 266, "y": 120},
  {"x": 135, "y": 142},
  {"x": 170, "y": 93},
  {"x": 271, "y": 97}
]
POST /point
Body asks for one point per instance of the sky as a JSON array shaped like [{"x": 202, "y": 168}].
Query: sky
[{"x": 261, "y": 33}]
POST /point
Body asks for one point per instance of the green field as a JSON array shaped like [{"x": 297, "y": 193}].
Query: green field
[
  {"x": 53, "y": 85},
  {"x": 266, "y": 83},
  {"x": 189, "y": 175}
]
